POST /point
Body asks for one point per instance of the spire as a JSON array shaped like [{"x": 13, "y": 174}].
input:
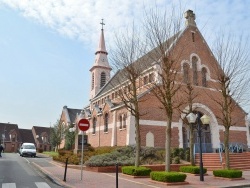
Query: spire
[
  {"x": 190, "y": 18},
  {"x": 101, "y": 47}
]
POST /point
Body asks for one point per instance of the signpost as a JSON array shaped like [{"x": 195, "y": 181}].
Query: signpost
[{"x": 83, "y": 125}]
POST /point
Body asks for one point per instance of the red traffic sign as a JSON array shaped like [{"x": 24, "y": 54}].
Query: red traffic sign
[{"x": 83, "y": 124}]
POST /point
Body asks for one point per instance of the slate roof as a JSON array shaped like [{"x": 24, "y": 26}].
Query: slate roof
[
  {"x": 7, "y": 128},
  {"x": 27, "y": 136},
  {"x": 72, "y": 113},
  {"x": 40, "y": 131},
  {"x": 143, "y": 63}
]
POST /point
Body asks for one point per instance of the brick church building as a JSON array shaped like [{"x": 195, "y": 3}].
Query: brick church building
[{"x": 111, "y": 124}]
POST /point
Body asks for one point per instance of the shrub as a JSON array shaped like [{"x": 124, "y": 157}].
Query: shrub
[
  {"x": 192, "y": 169},
  {"x": 228, "y": 173},
  {"x": 175, "y": 152},
  {"x": 176, "y": 160},
  {"x": 136, "y": 171},
  {"x": 182, "y": 153},
  {"x": 167, "y": 176},
  {"x": 40, "y": 150},
  {"x": 110, "y": 159}
]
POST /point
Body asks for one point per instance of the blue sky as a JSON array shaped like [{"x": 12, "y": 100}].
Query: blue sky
[{"x": 47, "y": 48}]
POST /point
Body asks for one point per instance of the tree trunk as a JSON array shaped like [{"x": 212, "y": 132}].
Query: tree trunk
[
  {"x": 191, "y": 141},
  {"x": 138, "y": 142},
  {"x": 168, "y": 146},
  {"x": 226, "y": 143}
]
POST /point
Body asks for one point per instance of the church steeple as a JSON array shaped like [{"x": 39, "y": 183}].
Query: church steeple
[
  {"x": 102, "y": 48},
  {"x": 100, "y": 71}
]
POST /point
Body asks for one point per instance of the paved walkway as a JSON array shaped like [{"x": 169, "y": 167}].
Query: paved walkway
[{"x": 56, "y": 171}]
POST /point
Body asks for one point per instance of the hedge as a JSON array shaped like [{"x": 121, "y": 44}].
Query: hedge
[
  {"x": 168, "y": 176},
  {"x": 136, "y": 171},
  {"x": 192, "y": 169},
  {"x": 228, "y": 173}
]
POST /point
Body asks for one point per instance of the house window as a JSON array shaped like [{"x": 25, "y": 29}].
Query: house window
[
  {"x": 13, "y": 138},
  {"x": 195, "y": 73},
  {"x": 204, "y": 77},
  {"x": 93, "y": 79},
  {"x": 103, "y": 79},
  {"x": 151, "y": 78},
  {"x": 120, "y": 119},
  {"x": 145, "y": 80},
  {"x": 94, "y": 126},
  {"x": 185, "y": 73},
  {"x": 124, "y": 121},
  {"x": 106, "y": 122}
]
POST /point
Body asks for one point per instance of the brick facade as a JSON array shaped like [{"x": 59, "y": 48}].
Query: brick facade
[{"x": 189, "y": 48}]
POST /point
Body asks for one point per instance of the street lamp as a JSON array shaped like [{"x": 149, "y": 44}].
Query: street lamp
[{"x": 205, "y": 121}]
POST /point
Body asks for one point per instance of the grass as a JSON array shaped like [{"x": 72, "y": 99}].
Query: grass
[{"x": 51, "y": 153}]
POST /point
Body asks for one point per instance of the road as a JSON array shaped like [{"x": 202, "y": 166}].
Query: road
[{"x": 16, "y": 171}]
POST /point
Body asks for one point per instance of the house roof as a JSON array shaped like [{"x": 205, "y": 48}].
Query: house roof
[
  {"x": 26, "y": 135},
  {"x": 72, "y": 113},
  {"x": 40, "y": 131},
  {"x": 7, "y": 128}
]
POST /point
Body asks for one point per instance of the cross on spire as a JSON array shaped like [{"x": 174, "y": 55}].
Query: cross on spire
[{"x": 102, "y": 24}]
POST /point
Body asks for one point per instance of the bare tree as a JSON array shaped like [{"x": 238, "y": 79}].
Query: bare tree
[
  {"x": 125, "y": 57},
  {"x": 233, "y": 82},
  {"x": 162, "y": 30},
  {"x": 191, "y": 96}
]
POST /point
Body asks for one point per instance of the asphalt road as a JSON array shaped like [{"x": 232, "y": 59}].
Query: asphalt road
[{"x": 17, "y": 171}]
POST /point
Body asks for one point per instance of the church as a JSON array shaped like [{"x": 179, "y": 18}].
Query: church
[{"x": 111, "y": 123}]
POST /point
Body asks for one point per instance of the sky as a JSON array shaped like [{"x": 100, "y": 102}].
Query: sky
[{"x": 48, "y": 47}]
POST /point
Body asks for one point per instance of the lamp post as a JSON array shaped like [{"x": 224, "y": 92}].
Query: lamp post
[{"x": 204, "y": 120}]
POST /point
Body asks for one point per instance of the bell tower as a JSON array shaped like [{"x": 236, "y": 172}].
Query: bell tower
[{"x": 100, "y": 71}]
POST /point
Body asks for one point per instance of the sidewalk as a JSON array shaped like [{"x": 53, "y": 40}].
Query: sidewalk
[{"x": 98, "y": 180}]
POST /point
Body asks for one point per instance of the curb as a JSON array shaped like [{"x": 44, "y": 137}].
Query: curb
[{"x": 48, "y": 175}]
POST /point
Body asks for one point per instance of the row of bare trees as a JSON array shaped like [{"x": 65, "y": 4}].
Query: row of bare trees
[{"x": 133, "y": 54}]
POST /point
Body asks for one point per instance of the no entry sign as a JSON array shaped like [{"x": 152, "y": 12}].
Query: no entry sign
[{"x": 83, "y": 124}]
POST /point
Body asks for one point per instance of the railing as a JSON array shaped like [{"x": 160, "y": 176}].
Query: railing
[{"x": 233, "y": 147}]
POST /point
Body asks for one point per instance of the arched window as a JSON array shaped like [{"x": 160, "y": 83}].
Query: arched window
[
  {"x": 120, "y": 119},
  {"x": 185, "y": 73},
  {"x": 106, "y": 121},
  {"x": 103, "y": 79},
  {"x": 204, "y": 76},
  {"x": 93, "y": 80},
  {"x": 94, "y": 126},
  {"x": 195, "y": 73}
]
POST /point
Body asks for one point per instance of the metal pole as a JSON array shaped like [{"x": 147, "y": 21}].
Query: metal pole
[
  {"x": 116, "y": 170},
  {"x": 199, "y": 134},
  {"x": 82, "y": 155},
  {"x": 65, "y": 171}
]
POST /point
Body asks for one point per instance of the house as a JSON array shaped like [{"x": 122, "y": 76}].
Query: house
[
  {"x": 68, "y": 119},
  {"x": 10, "y": 137},
  {"x": 111, "y": 124},
  {"x": 27, "y": 136},
  {"x": 41, "y": 136}
]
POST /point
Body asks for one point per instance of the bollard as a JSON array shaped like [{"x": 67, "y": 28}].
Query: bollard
[
  {"x": 65, "y": 172},
  {"x": 116, "y": 172}
]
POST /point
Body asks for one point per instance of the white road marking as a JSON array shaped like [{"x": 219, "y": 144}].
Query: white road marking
[
  {"x": 8, "y": 185},
  {"x": 42, "y": 185}
]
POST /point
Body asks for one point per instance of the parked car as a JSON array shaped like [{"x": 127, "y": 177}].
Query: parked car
[{"x": 28, "y": 149}]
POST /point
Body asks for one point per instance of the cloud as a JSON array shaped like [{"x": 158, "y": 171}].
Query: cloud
[{"x": 79, "y": 19}]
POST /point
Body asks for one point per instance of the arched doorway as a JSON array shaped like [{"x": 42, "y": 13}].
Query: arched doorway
[{"x": 206, "y": 140}]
